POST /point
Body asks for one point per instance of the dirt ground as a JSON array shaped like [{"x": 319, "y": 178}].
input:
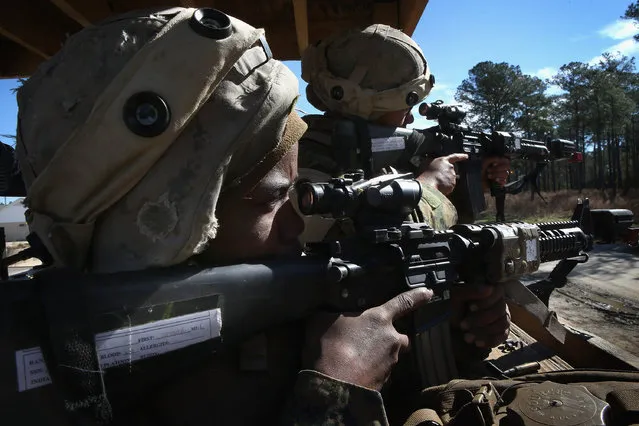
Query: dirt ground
[
  {"x": 602, "y": 295},
  {"x": 15, "y": 247}
]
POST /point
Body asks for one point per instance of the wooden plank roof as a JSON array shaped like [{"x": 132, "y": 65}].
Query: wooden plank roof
[{"x": 33, "y": 30}]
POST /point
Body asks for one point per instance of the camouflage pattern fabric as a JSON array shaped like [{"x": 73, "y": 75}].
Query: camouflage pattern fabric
[
  {"x": 344, "y": 75},
  {"x": 435, "y": 209},
  {"x": 322, "y": 400},
  {"x": 103, "y": 197}
]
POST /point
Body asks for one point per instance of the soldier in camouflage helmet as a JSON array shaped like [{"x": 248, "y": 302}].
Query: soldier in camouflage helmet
[
  {"x": 378, "y": 74},
  {"x": 155, "y": 139}
]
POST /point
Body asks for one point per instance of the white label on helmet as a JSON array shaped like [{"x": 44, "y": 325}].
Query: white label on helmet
[
  {"x": 394, "y": 143},
  {"x": 126, "y": 345}
]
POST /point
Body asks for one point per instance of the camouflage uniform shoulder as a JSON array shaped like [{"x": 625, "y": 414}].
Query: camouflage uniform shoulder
[
  {"x": 436, "y": 209},
  {"x": 321, "y": 400},
  {"x": 314, "y": 148}
]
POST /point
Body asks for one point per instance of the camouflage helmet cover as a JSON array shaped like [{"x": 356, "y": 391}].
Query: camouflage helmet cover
[
  {"x": 103, "y": 196},
  {"x": 366, "y": 72}
]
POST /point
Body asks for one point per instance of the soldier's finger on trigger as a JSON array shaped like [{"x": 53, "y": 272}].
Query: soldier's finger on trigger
[
  {"x": 407, "y": 302},
  {"x": 454, "y": 158}
]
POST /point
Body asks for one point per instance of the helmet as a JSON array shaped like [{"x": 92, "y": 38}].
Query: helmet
[
  {"x": 120, "y": 171},
  {"x": 366, "y": 72}
]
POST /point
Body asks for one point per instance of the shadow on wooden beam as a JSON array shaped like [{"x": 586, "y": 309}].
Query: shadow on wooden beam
[{"x": 23, "y": 62}]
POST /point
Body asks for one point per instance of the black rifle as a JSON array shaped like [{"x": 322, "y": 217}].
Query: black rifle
[
  {"x": 68, "y": 315},
  {"x": 468, "y": 194},
  {"x": 358, "y": 144}
]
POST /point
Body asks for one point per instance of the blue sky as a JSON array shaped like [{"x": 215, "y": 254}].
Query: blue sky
[{"x": 538, "y": 35}]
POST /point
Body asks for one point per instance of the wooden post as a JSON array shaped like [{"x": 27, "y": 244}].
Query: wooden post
[{"x": 301, "y": 24}]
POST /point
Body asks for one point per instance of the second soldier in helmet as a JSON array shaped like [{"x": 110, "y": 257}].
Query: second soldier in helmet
[{"x": 379, "y": 74}]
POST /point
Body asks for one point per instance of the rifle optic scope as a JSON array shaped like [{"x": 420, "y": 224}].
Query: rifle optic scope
[
  {"x": 344, "y": 197},
  {"x": 438, "y": 110}
]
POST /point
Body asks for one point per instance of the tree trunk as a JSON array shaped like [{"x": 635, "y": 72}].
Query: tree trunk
[
  {"x": 582, "y": 165},
  {"x": 612, "y": 180},
  {"x": 618, "y": 160},
  {"x": 635, "y": 159},
  {"x": 627, "y": 179}
]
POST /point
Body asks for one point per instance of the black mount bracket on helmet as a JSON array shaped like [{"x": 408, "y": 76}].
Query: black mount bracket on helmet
[
  {"x": 146, "y": 114},
  {"x": 211, "y": 23}
]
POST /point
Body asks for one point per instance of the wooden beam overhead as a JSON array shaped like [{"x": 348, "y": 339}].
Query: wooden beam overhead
[
  {"x": 23, "y": 62},
  {"x": 16, "y": 39},
  {"x": 386, "y": 13},
  {"x": 71, "y": 12},
  {"x": 84, "y": 12},
  {"x": 38, "y": 26},
  {"x": 301, "y": 24},
  {"x": 410, "y": 11}
]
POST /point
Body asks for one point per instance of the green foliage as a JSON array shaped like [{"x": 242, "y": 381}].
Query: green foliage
[
  {"x": 598, "y": 108},
  {"x": 491, "y": 92},
  {"x": 633, "y": 13},
  {"x": 534, "y": 109}
]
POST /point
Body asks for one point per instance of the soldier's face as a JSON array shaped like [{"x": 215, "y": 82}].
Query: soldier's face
[{"x": 260, "y": 223}]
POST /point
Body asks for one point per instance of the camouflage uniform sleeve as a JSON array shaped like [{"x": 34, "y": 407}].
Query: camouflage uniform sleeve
[
  {"x": 436, "y": 209},
  {"x": 322, "y": 400}
]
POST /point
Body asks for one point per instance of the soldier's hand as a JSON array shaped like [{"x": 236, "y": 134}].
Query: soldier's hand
[
  {"x": 495, "y": 169},
  {"x": 440, "y": 172},
  {"x": 361, "y": 348},
  {"x": 481, "y": 313}
]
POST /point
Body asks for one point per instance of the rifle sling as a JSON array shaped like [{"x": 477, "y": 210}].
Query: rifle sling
[{"x": 70, "y": 353}]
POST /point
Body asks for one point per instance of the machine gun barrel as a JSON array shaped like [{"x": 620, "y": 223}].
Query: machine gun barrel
[{"x": 557, "y": 244}]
